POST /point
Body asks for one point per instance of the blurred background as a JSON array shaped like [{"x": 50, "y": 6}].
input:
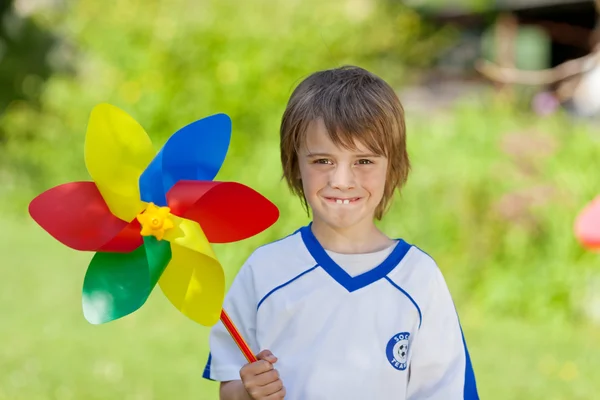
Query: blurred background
[{"x": 502, "y": 99}]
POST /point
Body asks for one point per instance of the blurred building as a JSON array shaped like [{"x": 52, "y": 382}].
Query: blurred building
[{"x": 551, "y": 45}]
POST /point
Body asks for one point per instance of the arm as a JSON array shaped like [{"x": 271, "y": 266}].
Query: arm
[
  {"x": 233, "y": 390},
  {"x": 440, "y": 367},
  {"x": 226, "y": 359}
]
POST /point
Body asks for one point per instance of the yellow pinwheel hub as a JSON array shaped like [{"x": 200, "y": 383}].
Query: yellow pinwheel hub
[{"x": 155, "y": 221}]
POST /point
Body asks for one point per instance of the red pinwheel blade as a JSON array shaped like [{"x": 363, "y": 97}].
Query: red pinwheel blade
[
  {"x": 226, "y": 211},
  {"x": 587, "y": 226},
  {"x": 76, "y": 215}
]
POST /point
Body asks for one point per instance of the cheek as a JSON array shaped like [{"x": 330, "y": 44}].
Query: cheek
[
  {"x": 312, "y": 180},
  {"x": 374, "y": 181}
]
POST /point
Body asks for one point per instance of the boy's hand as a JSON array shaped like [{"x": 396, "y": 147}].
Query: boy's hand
[{"x": 261, "y": 379}]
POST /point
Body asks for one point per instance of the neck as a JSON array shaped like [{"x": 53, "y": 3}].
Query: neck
[{"x": 362, "y": 238}]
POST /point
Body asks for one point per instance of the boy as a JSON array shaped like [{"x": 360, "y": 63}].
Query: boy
[{"x": 337, "y": 310}]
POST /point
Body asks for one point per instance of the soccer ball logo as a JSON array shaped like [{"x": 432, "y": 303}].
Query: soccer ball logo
[
  {"x": 397, "y": 350},
  {"x": 401, "y": 351}
]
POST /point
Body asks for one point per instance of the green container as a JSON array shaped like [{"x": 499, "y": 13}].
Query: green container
[{"x": 532, "y": 47}]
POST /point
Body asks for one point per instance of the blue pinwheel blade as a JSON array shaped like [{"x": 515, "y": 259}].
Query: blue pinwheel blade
[
  {"x": 151, "y": 185},
  {"x": 195, "y": 152}
]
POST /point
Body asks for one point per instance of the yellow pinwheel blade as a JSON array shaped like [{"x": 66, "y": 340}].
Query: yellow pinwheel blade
[
  {"x": 194, "y": 281},
  {"x": 195, "y": 284},
  {"x": 187, "y": 233},
  {"x": 117, "y": 151}
]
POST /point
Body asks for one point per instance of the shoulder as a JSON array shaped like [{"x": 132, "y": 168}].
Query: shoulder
[
  {"x": 420, "y": 275},
  {"x": 425, "y": 262},
  {"x": 281, "y": 250},
  {"x": 418, "y": 264},
  {"x": 279, "y": 260}
]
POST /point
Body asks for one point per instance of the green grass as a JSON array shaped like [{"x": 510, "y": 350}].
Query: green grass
[
  {"x": 50, "y": 352},
  {"x": 521, "y": 359}
]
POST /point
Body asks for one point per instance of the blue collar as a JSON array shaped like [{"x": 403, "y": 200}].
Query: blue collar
[{"x": 336, "y": 272}]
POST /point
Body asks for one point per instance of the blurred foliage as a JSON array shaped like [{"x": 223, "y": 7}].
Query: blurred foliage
[
  {"x": 171, "y": 62},
  {"x": 28, "y": 56},
  {"x": 452, "y": 6},
  {"x": 493, "y": 195}
]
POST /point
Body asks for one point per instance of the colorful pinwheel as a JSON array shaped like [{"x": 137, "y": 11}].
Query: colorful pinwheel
[
  {"x": 151, "y": 217},
  {"x": 587, "y": 226}
]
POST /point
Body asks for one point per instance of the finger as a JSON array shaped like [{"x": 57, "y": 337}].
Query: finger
[
  {"x": 256, "y": 368},
  {"x": 267, "y": 378},
  {"x": 279, "y": 394},
  {"x": 273, "y": 387},
  {"x": 267, "y": 356},
  {"x": 271, "y": 391}
]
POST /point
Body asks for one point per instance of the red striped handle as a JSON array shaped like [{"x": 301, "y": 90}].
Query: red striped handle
[{"x": 235, "y": 334}]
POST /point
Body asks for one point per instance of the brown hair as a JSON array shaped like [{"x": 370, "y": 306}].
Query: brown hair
[{"x": 354, "y": 104}]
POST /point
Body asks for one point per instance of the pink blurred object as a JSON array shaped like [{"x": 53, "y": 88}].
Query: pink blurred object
[
  {"x": 545, "y": 103},
  {"x": 587, "y": 226}
]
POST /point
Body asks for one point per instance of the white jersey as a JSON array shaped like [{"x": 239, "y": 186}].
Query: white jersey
[{"x": 390, "y": 332}]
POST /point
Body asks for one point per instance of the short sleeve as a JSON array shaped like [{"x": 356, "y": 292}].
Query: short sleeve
[
  {"x": 225, "y": 358},
  {"x": 440, "y": 367}
]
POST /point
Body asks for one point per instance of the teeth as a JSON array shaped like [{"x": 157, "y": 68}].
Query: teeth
[{"x": 340, "y": 201}]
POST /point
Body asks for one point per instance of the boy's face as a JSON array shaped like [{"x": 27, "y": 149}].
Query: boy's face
[{"x": 343, "y": 187}]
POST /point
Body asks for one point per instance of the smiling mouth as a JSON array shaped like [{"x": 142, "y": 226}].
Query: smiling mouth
[{"x": 340, "y": 200}]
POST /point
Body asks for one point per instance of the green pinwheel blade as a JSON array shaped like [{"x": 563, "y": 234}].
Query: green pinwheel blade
[{"x": 117, "y": 284}]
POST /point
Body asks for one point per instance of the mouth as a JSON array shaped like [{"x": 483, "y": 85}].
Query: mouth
[{"x": 342, "y": 200}]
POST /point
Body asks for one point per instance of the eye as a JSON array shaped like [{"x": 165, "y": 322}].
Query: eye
[
  {"x": 322, "y": 161},
  {"x": 365, "y": 161}
]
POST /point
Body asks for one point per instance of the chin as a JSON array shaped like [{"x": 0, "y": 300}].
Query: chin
[{"x": 340, "y": 223}]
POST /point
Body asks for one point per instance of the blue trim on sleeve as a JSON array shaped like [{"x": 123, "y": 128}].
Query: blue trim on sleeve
[
  {"x": 470, "y": 385},
  {"x": 284, "y": 284},
  {"x": 470, "y": 389},
  {"x": 342, "y": 277},
  {"x": 409, "y": 297},
  {"x": 206, "y": 373}
]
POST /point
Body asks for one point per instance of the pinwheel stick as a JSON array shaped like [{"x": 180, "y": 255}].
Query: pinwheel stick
[{"x": 237, "y": 337}]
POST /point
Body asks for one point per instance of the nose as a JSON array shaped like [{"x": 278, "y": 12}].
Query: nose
[{"x": 342, "y": 177}]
